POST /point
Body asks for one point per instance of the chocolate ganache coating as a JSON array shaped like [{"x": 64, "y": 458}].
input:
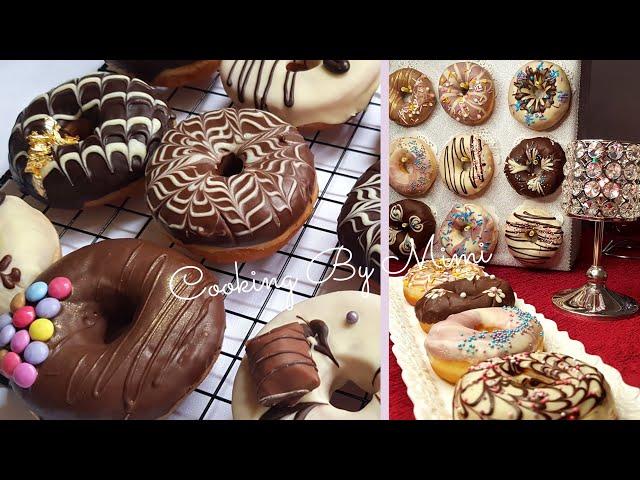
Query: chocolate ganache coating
[
  {"x": 462, "y": 295},
  {"x": 409, "y": 220},
  {"x": 359, "y": 221},
  {"x": 147, "y": 70},
  {"x": 86, "y": 138},
  {"x": 125, "y": 345},
  {"x": 534, "y": 167},
  {"x": 230, "y": 178},
  {"x": 282, "y": 366}
]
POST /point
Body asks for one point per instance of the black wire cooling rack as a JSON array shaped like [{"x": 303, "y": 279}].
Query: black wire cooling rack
[{"x": 342, "y": 154}]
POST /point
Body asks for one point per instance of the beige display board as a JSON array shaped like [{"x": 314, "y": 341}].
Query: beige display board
[{"x": 502, "y": 132}]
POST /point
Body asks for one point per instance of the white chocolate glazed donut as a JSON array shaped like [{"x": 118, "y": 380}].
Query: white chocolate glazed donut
[
  {"x": 469, "y": 230},
  {"x": 466, "y": 165},
  {"x": 471, "y": 337},
  {"x": 533, "y": 235},
  {"x": 412, "y": 166},
  {"x": 302, "y": 92},
  {"x": 533, "y": 386},
  {"x": 356, "y": 348},
  {"x": 28, "y": 245},
  {"x": 539, "y": 95}
]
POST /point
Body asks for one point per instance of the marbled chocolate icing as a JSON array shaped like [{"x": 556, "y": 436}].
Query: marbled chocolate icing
[
  {"x": 359, "y": 220},
  {"x": 230, "y": 178}
]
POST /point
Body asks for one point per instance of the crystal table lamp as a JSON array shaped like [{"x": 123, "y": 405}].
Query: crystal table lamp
[{"x": 601, "y": 185}]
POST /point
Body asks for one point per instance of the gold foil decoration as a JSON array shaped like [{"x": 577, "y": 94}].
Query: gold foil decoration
[{"x": 41, "y": 150}]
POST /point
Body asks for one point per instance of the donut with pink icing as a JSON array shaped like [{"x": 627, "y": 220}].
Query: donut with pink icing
[
  {"x": 412, "y": 166},
  {"x": 469, "y": 230},
  {"x": 468, "y": 338}
]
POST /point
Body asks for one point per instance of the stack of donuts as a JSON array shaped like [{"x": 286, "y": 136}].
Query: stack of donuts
[
  {"x": 493, "y": 352},
  {"x": 539, "y": 97},
  {"x": 109, "y": 331}
]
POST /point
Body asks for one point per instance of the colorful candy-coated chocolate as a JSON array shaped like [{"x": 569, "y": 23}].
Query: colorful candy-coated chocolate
[
  {"x": 48, "y": 308},
  {"x": 41, "y": 330},
  {"x": 36, "y": 353},
  {"x": 60, "y": 288},
  {"x": 25, "y": 375},
  {"x": 36, "y": 292},
  {"x": 17, "y": 302},
  {"x": 3, "y": 352},
  {"x": 20, "y": 341},
  {"x": 5, "y": 319},
  {"x": 6, "y": 334},
  {"x": 23, "y": 317},
  {"x": 9, "y": 363}
]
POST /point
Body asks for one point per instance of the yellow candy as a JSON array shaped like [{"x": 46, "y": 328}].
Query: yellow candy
[{"x": 41, "y": 330}]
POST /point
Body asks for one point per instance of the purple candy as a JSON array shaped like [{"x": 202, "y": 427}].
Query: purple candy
[
  {"x": 48, "y": 308},
  {"x": 6, "y": 334},
  {"x": 20, "y": 341},
  {"x": 5, "y": 319},
  {"x": 36, "y": 353}
]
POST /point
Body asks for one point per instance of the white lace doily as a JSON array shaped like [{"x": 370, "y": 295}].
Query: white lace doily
[{"x": 432, "y": 396}]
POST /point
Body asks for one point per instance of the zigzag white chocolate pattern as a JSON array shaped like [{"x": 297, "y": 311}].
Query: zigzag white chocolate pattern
[
  {"x": 133, "y": 96},
  {"x": 527, "y": 386},
  {"x": 187, "y": 193},
  {"x": 363, "y": 217}
]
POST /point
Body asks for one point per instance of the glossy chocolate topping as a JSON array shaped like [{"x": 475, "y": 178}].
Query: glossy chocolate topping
[
  {"x": 9, "y": 277},
  {"x": 147, "y": 70},
  {"x": 230, "y": 178},
  {"x": 359, "y": 221},
  {"x": 301, "y": 411},
  {"x": 126, "y": 347},
  {"x": 461, "y": 295},
  {"x": 86, "y": 138},
  {"x": 534, "y": 167},
  {"x": 281, "y": 365},
  {"x": 409, "y": 220}
]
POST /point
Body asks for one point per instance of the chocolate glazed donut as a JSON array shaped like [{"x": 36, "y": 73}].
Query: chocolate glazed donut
[
  {"x": 86, "y": 139},
  {"x": 409, "y": 220},
  {"x": 359, "y": 221},
  {"x": 534, "y": 167},
  {"x": 460, "y": 296},
  {"x": 125, "y": 345}
]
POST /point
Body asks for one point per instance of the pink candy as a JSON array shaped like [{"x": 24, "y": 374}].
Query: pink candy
[
  {"x": 20, "y": 341},
  {"x": 9, "y": 363},
  {"x": 60, "y": 288},
  {"x": 25, "y": 375},
  {"x": 23, "y": 317}
]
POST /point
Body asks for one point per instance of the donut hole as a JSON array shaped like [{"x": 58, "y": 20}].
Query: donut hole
[
  {"x": 303, "y": 65},
  {"x": 231, "y": 164},
  {"x": 83, "y": 127},
  {"x": 118, "y": 317},
  {"x": 350, "y": 397}
]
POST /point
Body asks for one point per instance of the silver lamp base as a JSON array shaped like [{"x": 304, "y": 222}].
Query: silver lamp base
[{"x": 595, "y": 300}]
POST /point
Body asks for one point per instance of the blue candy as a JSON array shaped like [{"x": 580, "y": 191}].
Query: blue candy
[
  {"x": 48, "y": 308},
  {"x": 36, "y": 353},
  {"x": 5, "y": 319},
  {"x": 6, "y": 335},
  {"x": 36, "y": 292}
]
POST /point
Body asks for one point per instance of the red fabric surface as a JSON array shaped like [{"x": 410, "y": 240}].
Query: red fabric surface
[{"x": 617, "y": 342}]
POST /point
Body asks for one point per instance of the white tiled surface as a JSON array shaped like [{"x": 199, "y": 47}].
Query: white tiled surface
[{"x": 342, "y": 154}]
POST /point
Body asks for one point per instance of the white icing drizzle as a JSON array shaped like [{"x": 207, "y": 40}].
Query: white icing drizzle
[{"x": 362, "y": 215}]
